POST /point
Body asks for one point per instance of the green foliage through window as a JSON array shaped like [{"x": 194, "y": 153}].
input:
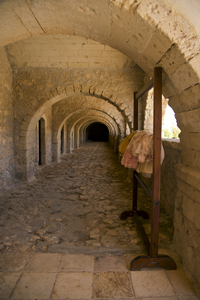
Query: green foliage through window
[{"x": 172, "y": 133}]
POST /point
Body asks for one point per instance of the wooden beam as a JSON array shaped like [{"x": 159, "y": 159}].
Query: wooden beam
[{"x": 148, "y": 86}]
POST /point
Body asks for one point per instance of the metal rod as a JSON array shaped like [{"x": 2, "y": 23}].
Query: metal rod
[
  {"x": 145, "y": 89},
  {"x": 135, "y": 187},
  {"x": 135, "y": 112},
  {"x": 135, "y": 182},
  {"x": 145, "y": 187},
  {"x": 142, "y": 232}
]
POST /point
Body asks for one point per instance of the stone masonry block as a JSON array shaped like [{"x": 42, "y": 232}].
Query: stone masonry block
[
  {"x": 180, "y": 102},
  {"x": 190, "y": 140},
  {"x": 54, "y": 92},
  {"x": 156, "y": 47},
  {"x": 172, "y": 60},
  {"x": 189, "y": 79},
  {"x": 89, "y": 53},
  {"x": 183, "y": 36},
  {"x": 60, "y": 90},
  {"x": 188, "y": 175},
  {"x": 191, "y": 158},
  {"x": 97, "y": 15},
  {"x": 196, "y": 216},
  {"x": 68, "y": 52},
  {"x": 69, "y": 89},
  {"x": 78, "y": 65},
  {"x": 152, "y": 12},
  {"x": 195, "y": 64},
  {"x": 85, "y": 89},
  {"x": 188, "y": 206},
  {"x": 189, "y": 121},
  {"x": 77, "y": 88},
  {"x": 189, "y": 190},
  {"x": 79, "y": 60},
  {"x": 96, "y": 47}
]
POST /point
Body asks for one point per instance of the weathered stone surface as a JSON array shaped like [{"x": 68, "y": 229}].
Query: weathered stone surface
[
  {"x": 70, "y": 219},
  {"x": 148, "y": 284},
  {"x": 109, "y": 285},
  {"x": 6, "y": 122},
  {"x": 76, "y": 263},
  {"x": 109, "y": 263},
  {"x": 7, "y": 282},
  {"x": 64, "y": 52},
  {"x": 169, "y": 183},
  {"x": 74, "y": 285},
  {"x": 26, "y": 286},
  {"x": 43, "y": 263}
]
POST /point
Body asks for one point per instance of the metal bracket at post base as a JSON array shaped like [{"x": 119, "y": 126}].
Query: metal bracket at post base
[
  {"x": 162, "y": 261},
  {"x": 128, "y": 213}
]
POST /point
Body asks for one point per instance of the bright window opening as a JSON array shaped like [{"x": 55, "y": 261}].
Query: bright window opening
[{"x": 170, "y": 128}]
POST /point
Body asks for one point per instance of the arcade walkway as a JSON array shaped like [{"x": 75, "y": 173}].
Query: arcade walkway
[{"x": 61, "y": 236}]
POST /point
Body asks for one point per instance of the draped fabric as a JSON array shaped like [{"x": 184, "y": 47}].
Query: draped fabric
[
  {"x": 139, "y": 153},
  {"x": 125, "y": 142}
]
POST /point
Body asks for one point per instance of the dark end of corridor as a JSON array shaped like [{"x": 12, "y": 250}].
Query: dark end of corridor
[{"x": 97, "y": 132}]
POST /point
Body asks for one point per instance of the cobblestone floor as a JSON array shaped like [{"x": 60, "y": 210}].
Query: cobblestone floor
[{"x": 71, "y": 212}]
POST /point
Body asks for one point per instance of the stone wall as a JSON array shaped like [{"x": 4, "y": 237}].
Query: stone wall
[
  {"x": 187, "y": 221},
  {"x": 168, "y": 187},
  {"x": 63, "y": 51},
  {"x": 169, "y": 184},
  {"x": 6, "y": 122}
]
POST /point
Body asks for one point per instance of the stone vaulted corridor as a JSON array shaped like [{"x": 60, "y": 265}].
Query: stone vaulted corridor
[
  {"x": 62, "y": 238},
  {"x": 65, "y": 66}
]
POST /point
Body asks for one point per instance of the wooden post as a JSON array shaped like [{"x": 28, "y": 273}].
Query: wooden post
[
  {"x": 135, "y": 182},
  {"x": 156, "y": 161},
  {"x": 135, "y": 112}
]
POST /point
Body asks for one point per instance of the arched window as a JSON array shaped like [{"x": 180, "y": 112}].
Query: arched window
[{"x": 170, "y": 128}]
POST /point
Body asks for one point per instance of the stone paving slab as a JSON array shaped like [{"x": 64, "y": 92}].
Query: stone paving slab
[
  {"x": 151, "y": 283},
  {"x": 73, "y": 286},
  {"x": 7, "y": 283},
  {"x": 44, "y": 263},
  {"x": 34, "y": 286},
  {"x": 95, "y": 279},
  {"x": 108, "y": 262},
  {"x": 13, "y": 262},
  {"x": 179, "y": 282},
  {"x": 112, "y": 285},
  {"x": 76, "y": 263}
]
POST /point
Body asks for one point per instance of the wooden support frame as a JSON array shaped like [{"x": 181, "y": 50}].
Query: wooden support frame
[{"x": 153, "y": 259}]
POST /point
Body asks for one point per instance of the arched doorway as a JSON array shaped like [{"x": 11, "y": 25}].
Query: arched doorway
[
  {"x": 97, "y": 132},
  {"x": 62, "y": 140},
  {"x": 41, "y": 142}
]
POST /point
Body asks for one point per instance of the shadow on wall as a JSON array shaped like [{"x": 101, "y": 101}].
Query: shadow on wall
[{"x": 97, "y": 132}]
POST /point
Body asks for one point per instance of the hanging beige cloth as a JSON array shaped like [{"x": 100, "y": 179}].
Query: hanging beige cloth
[
  {"x": 123, "y": 145},
  {"x": 146, "y": 168}
]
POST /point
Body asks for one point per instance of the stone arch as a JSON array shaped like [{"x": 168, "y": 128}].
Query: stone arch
[
  {"x": 80, "y": 124},
  {"x": 112, "y": 132},
  {"x": 147, "y": 124},
  {"x": 76, "y": 117},
  {"x": 27, "y": 126}
]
